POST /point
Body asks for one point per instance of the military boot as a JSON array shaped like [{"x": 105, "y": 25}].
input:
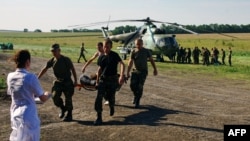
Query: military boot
[
  {"x": 99, "y": 119},
  {"x": 68, "y": 116},
  {"x": 112, "y": 110},
  {"x": 62, "y": 113},
  {"x": 137, "y": 103}
]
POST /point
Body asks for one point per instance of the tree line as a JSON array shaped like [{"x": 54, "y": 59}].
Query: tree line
[{"x": 211, "y": 28}]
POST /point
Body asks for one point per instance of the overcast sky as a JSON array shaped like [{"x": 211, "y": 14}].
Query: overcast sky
[{"x": 60, "y": 14}]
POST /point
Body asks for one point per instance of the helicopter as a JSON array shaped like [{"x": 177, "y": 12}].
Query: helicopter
[{"x": 154, "y": 39}]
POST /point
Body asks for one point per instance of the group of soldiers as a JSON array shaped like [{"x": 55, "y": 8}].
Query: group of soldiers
[
  {"x": 185, "y": 55},
  {"x": 108, "y": 79}
]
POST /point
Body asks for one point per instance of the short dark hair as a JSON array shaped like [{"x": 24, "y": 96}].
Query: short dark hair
[
  {"x": 108, "y": 41},
  {"x": 100, "y": 43},
  {"x": 21, "y": 57}
]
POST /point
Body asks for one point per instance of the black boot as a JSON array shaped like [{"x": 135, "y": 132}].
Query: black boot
[
  {"x": 137, "y": 102},
  {"x": 68, "y": 116},
  {"x": 112, "y": 110},
  {"x": 134, "y": 100},
  {"x": 62, "y": 113},
  {"x": 99, "y": 119}
]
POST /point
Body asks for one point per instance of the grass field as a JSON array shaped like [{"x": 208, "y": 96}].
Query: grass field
[{"x": 39, "y": 44}]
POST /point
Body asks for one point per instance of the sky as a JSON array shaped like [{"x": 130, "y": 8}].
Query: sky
[{"x": 61, "y": 14}]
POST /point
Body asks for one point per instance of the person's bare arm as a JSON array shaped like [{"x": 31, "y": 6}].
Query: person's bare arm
[
  {"x": 89, "y": 61},
  {"x": 98, "y": 73},
  {"x": 44, "y": 70},
  {"x": 130, "y": 64},
  {"x": 122, "y": 70},
  {"x": 45, "y": 96},
  {"x": 153, "y": 64},
  {"x": 74, "y": 75}
]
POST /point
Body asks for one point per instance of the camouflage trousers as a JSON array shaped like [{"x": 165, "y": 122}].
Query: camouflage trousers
[
  {"x": 66, "y": 87},
  {"x": 137, "y": 82},
  {"x": 106, "y": 88}
]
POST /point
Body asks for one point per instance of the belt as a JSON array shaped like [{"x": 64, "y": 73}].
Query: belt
[
  {"x": 62, "y": 79},
  {"x": 110, "y": 76},
  {"x": 139, "y": 71}
]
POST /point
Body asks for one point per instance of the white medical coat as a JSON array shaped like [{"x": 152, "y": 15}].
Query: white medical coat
[{"x": 23, "y": 86}]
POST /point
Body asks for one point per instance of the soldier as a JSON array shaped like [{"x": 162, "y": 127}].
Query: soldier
[
  {"x": 62, "y": 67},
  {"x": 82, "y": 53},
  {"x": 230, "y": 56},
  {"x": 139, "y": 58},
  {"x": 188, "y": 56},
  {"x": 216, "y": 56},
  {"x": 196, "y": 53},
  {"x": 223, "y": 56},
  {"x": 96, "y": 55},
  {"x": 107, "y": 79},
  {"x": 206, "y": 55}
]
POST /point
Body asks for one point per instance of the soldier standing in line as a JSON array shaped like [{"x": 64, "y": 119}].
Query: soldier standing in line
[
  {"x": 82, "y": 53},
  {"x": 206, "y": 55},
  {"x": 62, "y": 67},
  {"x": 196, "y": 53},
  {"x": 223, "y": 56}
]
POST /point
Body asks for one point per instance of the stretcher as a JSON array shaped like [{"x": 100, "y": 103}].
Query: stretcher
[{"x": 88, "y": 83}]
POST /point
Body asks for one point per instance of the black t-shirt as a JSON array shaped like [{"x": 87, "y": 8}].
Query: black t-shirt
[{"x": 109, "y": 63}]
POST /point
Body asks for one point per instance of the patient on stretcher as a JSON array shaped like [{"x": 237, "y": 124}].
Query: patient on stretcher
[{"x": 88, "y": 80}]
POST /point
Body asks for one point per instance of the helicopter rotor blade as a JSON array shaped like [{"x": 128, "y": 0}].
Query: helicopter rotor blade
[
  {"x": 148, "y": 21},
  {"x": 183, "y": 28}
]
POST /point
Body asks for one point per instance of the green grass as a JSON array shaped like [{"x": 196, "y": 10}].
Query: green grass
[
  {"x": 39, "y": 45},
  {"x": 3, "y": 84}
]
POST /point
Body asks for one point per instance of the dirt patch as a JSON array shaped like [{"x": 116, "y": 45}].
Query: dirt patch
[{"x": 193, "y": 107}]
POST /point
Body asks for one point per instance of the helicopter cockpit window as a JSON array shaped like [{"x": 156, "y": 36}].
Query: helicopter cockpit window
[
  {"x": 159, "y": 31},
  {"x": 173, "y": 41},
  {"x": 163, "y": 42}
]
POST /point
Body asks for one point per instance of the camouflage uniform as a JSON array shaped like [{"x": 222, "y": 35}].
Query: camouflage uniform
[
  {"x": 63, "y": 82},
  {"x": 139, "y": 73}
]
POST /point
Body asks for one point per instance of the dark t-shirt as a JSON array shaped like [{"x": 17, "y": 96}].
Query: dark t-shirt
[
  {"x": 109, "y": 63},
  {"x": 61, "y": 67}
]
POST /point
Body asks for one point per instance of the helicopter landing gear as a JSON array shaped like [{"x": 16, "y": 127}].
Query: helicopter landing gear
[{"x": 159, "y": 58}]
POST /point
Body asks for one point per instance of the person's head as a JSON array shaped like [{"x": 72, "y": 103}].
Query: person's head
[
  {"x": 22, "y": 59},
  {"x": 55, "y": 49},
  {"x": 100, "y": 46},
  {"x": 139, "y": 43},
  {"x": 107, "y": 45},
  {"x": 83, "y": 44}
]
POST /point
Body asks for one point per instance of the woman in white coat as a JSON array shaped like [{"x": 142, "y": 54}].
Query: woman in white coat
[{"x": 23, "y": 87}]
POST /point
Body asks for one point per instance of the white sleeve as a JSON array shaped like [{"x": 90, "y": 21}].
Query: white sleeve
[
  {"x": 36, "y": 86},
  {"x": 8, "y": 84}
]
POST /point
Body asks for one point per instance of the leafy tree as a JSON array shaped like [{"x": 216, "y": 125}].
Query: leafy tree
[
  {"x": 25, "y": 30},
  {"x": 38, "y": 30}
]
